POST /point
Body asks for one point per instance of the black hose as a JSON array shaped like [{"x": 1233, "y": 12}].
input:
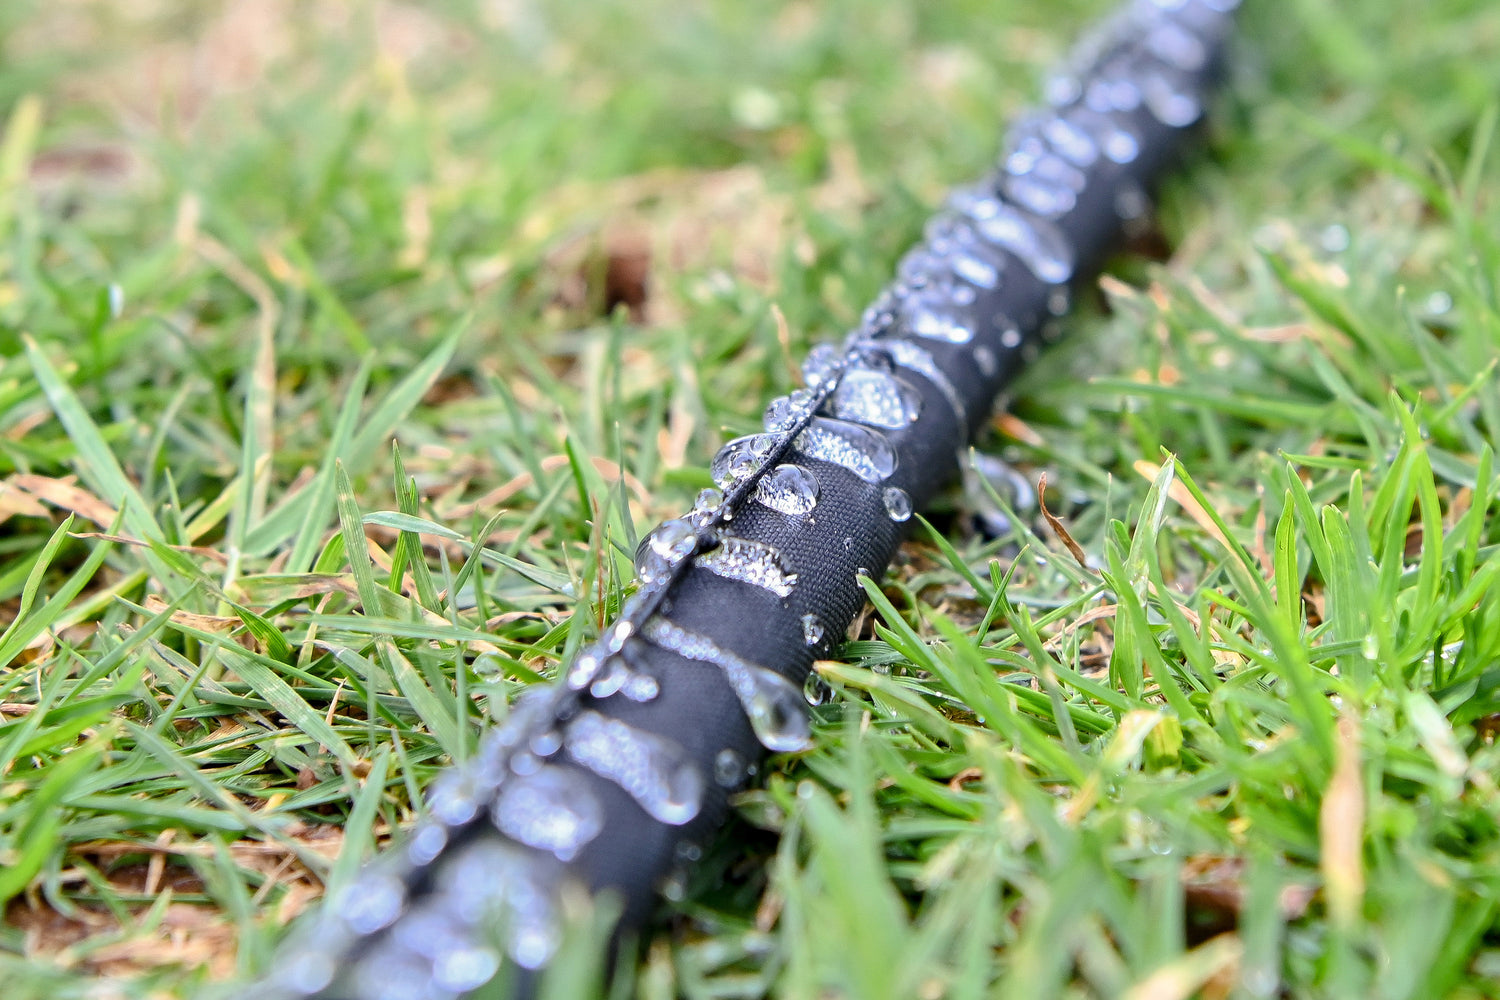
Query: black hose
[{"x": 612, "y": 778}]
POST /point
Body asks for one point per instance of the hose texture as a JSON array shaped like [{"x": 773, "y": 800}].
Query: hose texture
[{"x": 612, "y": 778}]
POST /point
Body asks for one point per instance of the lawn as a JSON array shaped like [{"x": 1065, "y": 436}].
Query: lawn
[{"x": 473, "y": 289}]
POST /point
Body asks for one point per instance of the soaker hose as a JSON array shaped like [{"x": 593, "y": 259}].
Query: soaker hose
[{"x": 609, "y": 779}]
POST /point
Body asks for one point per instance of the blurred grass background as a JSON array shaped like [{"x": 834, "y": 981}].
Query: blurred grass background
[{"x": 547, "y": 248}]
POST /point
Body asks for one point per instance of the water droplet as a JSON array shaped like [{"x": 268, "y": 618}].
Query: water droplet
[
  {"x": 306, "y": 972},
  {"x": 552, "y": 810},
  {"x": 729, "y": 768},
  {"x": 583, "y": 671},
  {"x": 1370, "y": 647},
  {"x": 918, "y": 266},
  {"x": 1072, "y": 142},
  {"x": 776, "y": 713},
  {"x": 822, "y": 363},
  {"x": 1438, "y": 303},
  {"x": 953, "y": 245},
  {"x": 611, "y": 678},
  {"x": 1043, "y": 182},
  {"x": 426, "y": 844},
  {"x": 641, "y": 688},
  {"x": 769, "y": 700},
  {"x": 454, "y": 798},
  {"x": 666, "y": 548},
  {"x": 864, "y": 452},
  {"x": 1062, "y": 89},
  {"x": 860, "y": 572},
  {"x": 395, "y": 975},
  {"x": 1171, "y": 105},
  {"x": 812, "y": 629},
  {"x": 897, "y": 504},
  {"x": 749, "y": 561},
  {"x": 975, "y": 202},
  {"x": 546, "y": 744},
  {"x": 620, "y": 631},
  {"x": 1058, "y": 301},
  {"x": 372, "y": 901},
  {"x": 915, "y": 358},
  {"x": 708, "y": 500},
  {"x": 816, "y": 690},
  {"x": 654, "y": 771},
  {"x": 464, "y": 968},
  {"x": 740, "y": 458},
  {"x": 785, "y": 412},
  {"x": 532, "y": 943},
  {"x": 525, "y": 763},
  {"x": 1177, "y": 47},
  {"x": 988, "y": 366},
  {"x": 1010, "y": 338},
  {"x": 875, "y": 398},
  {"x": 788, "y": 488},
  {"x": 1036, "y": 243},
  {"x": 935, "y": 321}
]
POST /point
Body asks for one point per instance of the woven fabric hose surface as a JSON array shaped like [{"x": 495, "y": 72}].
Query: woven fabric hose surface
[{"x": 609, "y": 780}]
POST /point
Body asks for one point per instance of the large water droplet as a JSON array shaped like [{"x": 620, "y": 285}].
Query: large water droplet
[
  {"x": 455, "y": 798},
  {"x": 788, "y": 488},
  {"x": 936, "y": 321},
  {"x": 785, "y": 412},
  {"x": 1071, "y": 142},
  {"x": 654, "y": 771},
  {"x": 547, "y": 743},
  {"x": 666, "y": 548},
  {"x": 1045, "y": 183},
  {"x": 426, "y": 844},
  {"x": 372, "y": 901},
  {"x": 777, "y": 719},
  {"x": 708, "y": 500},
  {"x": 915, "y": 358},
  {"x": 1177, "y": 47},
  {"x": 552, "y": 810},
  {"x": 641, "y": 688},
  {"x": 864, "y": 452},
  {"x": 875, "y": 398},
  {"x": 1118, "y": 144},
  {"x": 776, "y": 712},
  {"x": 394, "y": 975},
  {"x": 822, "y": 363},
  {"x": 954, "y": 246},
  {"x": 466, "y": 967},
  {"x": 897, "y": 504},
  {"x": 756, "y": 563},
  {"x": 1171, "y": 103},
  {"x": 812, "y": 629},
  {"x": 1038, "y": 244},
  {"x": 583, "y": 671},
  {"x": 975, "y": 201},
  {"x": 739, "y": 458},
  {"x": 1041, "y": 196}
]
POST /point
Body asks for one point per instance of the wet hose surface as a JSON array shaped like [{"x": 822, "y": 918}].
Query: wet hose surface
[{"x": 612, "y": 778}]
